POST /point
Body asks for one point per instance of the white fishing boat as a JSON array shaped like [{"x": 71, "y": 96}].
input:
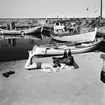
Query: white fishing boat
[
  {"x": 59, "y": 50},
  {"x": 60, "y": 34}
]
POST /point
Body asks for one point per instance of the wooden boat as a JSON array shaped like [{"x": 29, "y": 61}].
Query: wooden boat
[
  {"x": 65, "y": 36},
  {"x": 47, "y": 27},
  {"x": 59, "y": 50},
  {"x": 20, "y": 32}
]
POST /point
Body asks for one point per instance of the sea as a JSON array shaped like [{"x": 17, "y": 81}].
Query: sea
[{"x": 16, "y": 48}]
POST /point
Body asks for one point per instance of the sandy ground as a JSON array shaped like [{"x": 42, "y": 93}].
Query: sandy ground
[{"x": 67, "y": 87}]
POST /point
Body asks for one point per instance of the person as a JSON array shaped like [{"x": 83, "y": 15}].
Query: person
[
  {"x": 39, "y": 65},
  {"x": 65, "y": 54},
  {"x": 58, "y": 64},
  {"x": 102, "y": 75}
]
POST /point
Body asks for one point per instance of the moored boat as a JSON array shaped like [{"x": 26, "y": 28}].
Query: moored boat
[
  {"x": 66, "y": 36},
  {"x": 59, "y": 50},
  {"x": 47, "y": 28},
  {"x": 20, "y": 32}
]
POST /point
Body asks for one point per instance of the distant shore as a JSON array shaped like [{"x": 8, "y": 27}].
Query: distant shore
[{"x": 25, "y": 22}]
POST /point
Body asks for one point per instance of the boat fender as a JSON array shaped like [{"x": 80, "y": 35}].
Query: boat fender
[
  {"x": 39, "y": 50},
  {"x": 3, "y": 36},
  {"x": 1, "y": 32},
  {"x": 22, "y": 34}
]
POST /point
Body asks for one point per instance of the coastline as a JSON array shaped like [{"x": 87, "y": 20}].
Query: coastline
[{"x": 67, "y": 87}]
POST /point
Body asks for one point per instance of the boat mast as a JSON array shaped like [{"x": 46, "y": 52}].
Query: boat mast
[{"x": 101, "y": 10}]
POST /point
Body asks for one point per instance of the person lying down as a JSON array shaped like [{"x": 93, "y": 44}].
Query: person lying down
[{"x": 45, "y": 67}]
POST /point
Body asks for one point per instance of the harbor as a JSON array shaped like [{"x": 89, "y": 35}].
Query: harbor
[
  {"x": 68, "y": 86},
  {"x": 52, "y": 56}
]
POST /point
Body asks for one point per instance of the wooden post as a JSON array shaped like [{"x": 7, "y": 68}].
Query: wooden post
[{"x": 42, "y": 28}]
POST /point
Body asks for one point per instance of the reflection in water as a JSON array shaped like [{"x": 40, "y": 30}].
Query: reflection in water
[
  {"x": 11, "y": 42},
  {"x": 14, "y": 42},
  {"x": 31, "y": 41},
  {"x": 17, "y": 48}
]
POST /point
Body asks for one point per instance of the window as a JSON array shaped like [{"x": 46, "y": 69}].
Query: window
[{"x": 57, "y": 24}]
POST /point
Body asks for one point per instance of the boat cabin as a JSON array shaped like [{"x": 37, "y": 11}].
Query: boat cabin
[
  {"x": 73, "y": 24},
  {"x": 59, "y": 26}
]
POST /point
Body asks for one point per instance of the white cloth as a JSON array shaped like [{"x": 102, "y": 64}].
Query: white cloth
[{"x": 46, "y": 70}]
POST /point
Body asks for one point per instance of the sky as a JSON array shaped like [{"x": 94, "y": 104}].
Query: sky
[{"x": 50, "y": 8}]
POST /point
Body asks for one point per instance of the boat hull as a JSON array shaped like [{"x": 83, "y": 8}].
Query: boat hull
[
  {"x": 85, "y": 37},
  {"x": 60, "y": 50},
  {"x": 20, "y": 32}
]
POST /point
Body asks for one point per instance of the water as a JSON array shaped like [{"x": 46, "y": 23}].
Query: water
[{"x": 17, "y": 48}]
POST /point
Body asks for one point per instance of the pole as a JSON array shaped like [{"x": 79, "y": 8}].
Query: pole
[{"x": 101, "y": 10}]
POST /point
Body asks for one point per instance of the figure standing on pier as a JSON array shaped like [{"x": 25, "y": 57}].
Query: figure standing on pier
[{"x": 102, "y": 76}]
